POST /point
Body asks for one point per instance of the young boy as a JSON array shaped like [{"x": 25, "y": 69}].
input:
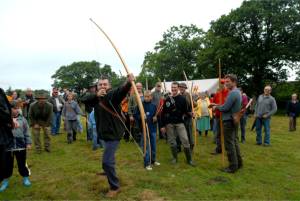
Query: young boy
[
  {"x": 17, "y": 147},
  {"x": 150, "y": 111},
  {"x": 70, "y": 111}
]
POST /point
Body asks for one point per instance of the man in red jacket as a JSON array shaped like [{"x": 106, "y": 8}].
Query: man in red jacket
[{"x": 219, "y": 98}]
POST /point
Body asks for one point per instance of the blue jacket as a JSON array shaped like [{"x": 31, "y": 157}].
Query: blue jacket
[
  {"x": 71, "y": 110},
  {"x": 150, "y": 110},
  {"x": 21, "y": 135}
]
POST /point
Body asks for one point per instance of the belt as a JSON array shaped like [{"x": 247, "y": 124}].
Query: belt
[{"x": 228, "y": 120}]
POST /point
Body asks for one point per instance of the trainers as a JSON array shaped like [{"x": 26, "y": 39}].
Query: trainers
[
  {"x": 156, "y": 163},
  {"x": 26, "y": 181},
  {"x": 4, "y": 185},
  {"x": 191, "y": 163},
  {"x": 148, "y": 167},
  {"x": 173, "y": 161},
  {"x": 112, "y": 193},
  {"x": 101, "y": 173}
]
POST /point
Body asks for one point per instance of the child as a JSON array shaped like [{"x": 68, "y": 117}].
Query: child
[
  {"x": 17, "y": 147},
  {"x": 92, "y": 125},
  {"x": 150, "y": 111},
  {"x": 70, "y": 111}
]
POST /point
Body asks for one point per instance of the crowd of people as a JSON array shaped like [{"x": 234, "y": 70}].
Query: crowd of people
[{"x": 114, "y": 114}]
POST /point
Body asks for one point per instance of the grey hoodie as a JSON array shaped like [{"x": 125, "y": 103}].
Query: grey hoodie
[
  {"x": 21, "y": 135},
  {"x": 71, "y": 110}
]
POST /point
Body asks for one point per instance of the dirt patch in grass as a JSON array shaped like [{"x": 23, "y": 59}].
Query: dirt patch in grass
[
  {"x": 218, "y": 180},
  {"x": 149, "y": 195}
]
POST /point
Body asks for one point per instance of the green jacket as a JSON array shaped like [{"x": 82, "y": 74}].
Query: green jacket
[
  {"x": 132, "y": 104},
  {"x": 41, "y": 115},
  {"x": 109, "y": 127}
]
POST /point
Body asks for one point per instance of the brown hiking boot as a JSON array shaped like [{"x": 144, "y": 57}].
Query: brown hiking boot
[{"x": 112, "y": 193}]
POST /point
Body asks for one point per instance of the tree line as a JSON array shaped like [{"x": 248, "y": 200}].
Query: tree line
[{"x": 259, "y": 42}]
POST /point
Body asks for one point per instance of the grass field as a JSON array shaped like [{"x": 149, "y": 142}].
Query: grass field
[{"x": 69, "y": 172}]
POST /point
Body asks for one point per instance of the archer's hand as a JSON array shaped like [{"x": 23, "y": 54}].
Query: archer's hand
[
  {"x": 214, "y": 108},
  {"x": 84, "y": 90},
  {"x": 154, "y": 119},
  {"x": 101, "y": 92},
  {"x": 15, "y": 123},
  {"x": 212, "y": 105},
  {"x": 131, "y": 119},
  {"x": 28, "y": 146},
  {"x": 130, "y": 77},
  {"x": 163, "y": 130}
]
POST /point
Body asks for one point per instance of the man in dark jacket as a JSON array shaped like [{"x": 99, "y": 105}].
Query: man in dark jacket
[
  {"x": 6, "y": 125},
  {"x": 109, "y": 125},
  {"x": 174, "y": 110}
]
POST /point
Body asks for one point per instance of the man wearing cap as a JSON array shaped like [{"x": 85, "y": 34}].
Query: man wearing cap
[
  {"x": 57, "y": 103},
  {"x": 187, "y": 118},
  {"x": 40, "y": 115},
  {"x": 132, "y": 105},
  {"x": 92, "y": 89},
  {"x": 157, "y": 95},
  {"x": 6, "y": 126}
]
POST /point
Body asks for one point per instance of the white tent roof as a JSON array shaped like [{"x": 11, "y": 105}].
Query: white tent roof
[{"x": 210, "y": 85}]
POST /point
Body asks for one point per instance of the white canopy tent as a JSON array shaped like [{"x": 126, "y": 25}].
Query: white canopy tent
[{"x": 209, "y": 85}]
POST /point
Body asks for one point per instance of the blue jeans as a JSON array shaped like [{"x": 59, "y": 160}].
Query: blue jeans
[
  {"x": 260, "y": 122},
  {"x": 147, "y": 161},
  {"x": 108, "y": 163},
  {"x": 89, "y": 129},
  {"x": 216, "y": 125},
  {"x": 243, "y": 122},
  {"x": 55, "y": 123},
  {"x": 79, "y": 125},
  {"x": 96, "y": 142}
]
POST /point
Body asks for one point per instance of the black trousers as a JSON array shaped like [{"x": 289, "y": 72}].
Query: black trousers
[
  {"x": 232, "y": 144},
  {"x": 21, "y": 160},
  {"x": 127, "y": 123},
  {"x": 2, "y": 161}
]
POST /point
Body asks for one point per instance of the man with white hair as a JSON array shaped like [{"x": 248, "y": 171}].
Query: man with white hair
[{"x": 265, "y": 107}]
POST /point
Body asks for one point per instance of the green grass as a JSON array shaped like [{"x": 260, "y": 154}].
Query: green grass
[{"x": 68, "y": 172}]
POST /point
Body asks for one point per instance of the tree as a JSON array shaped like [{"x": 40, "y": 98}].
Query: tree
[
  {"x": 258, "y": 41},
  {"x": 80, "y": 75},
  {"x": 177, "y": 51},
  {"x": 9, "y": 91}
]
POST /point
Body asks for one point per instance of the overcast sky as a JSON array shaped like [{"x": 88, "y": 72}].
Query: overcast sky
[{"x": 39, "y": 36}]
